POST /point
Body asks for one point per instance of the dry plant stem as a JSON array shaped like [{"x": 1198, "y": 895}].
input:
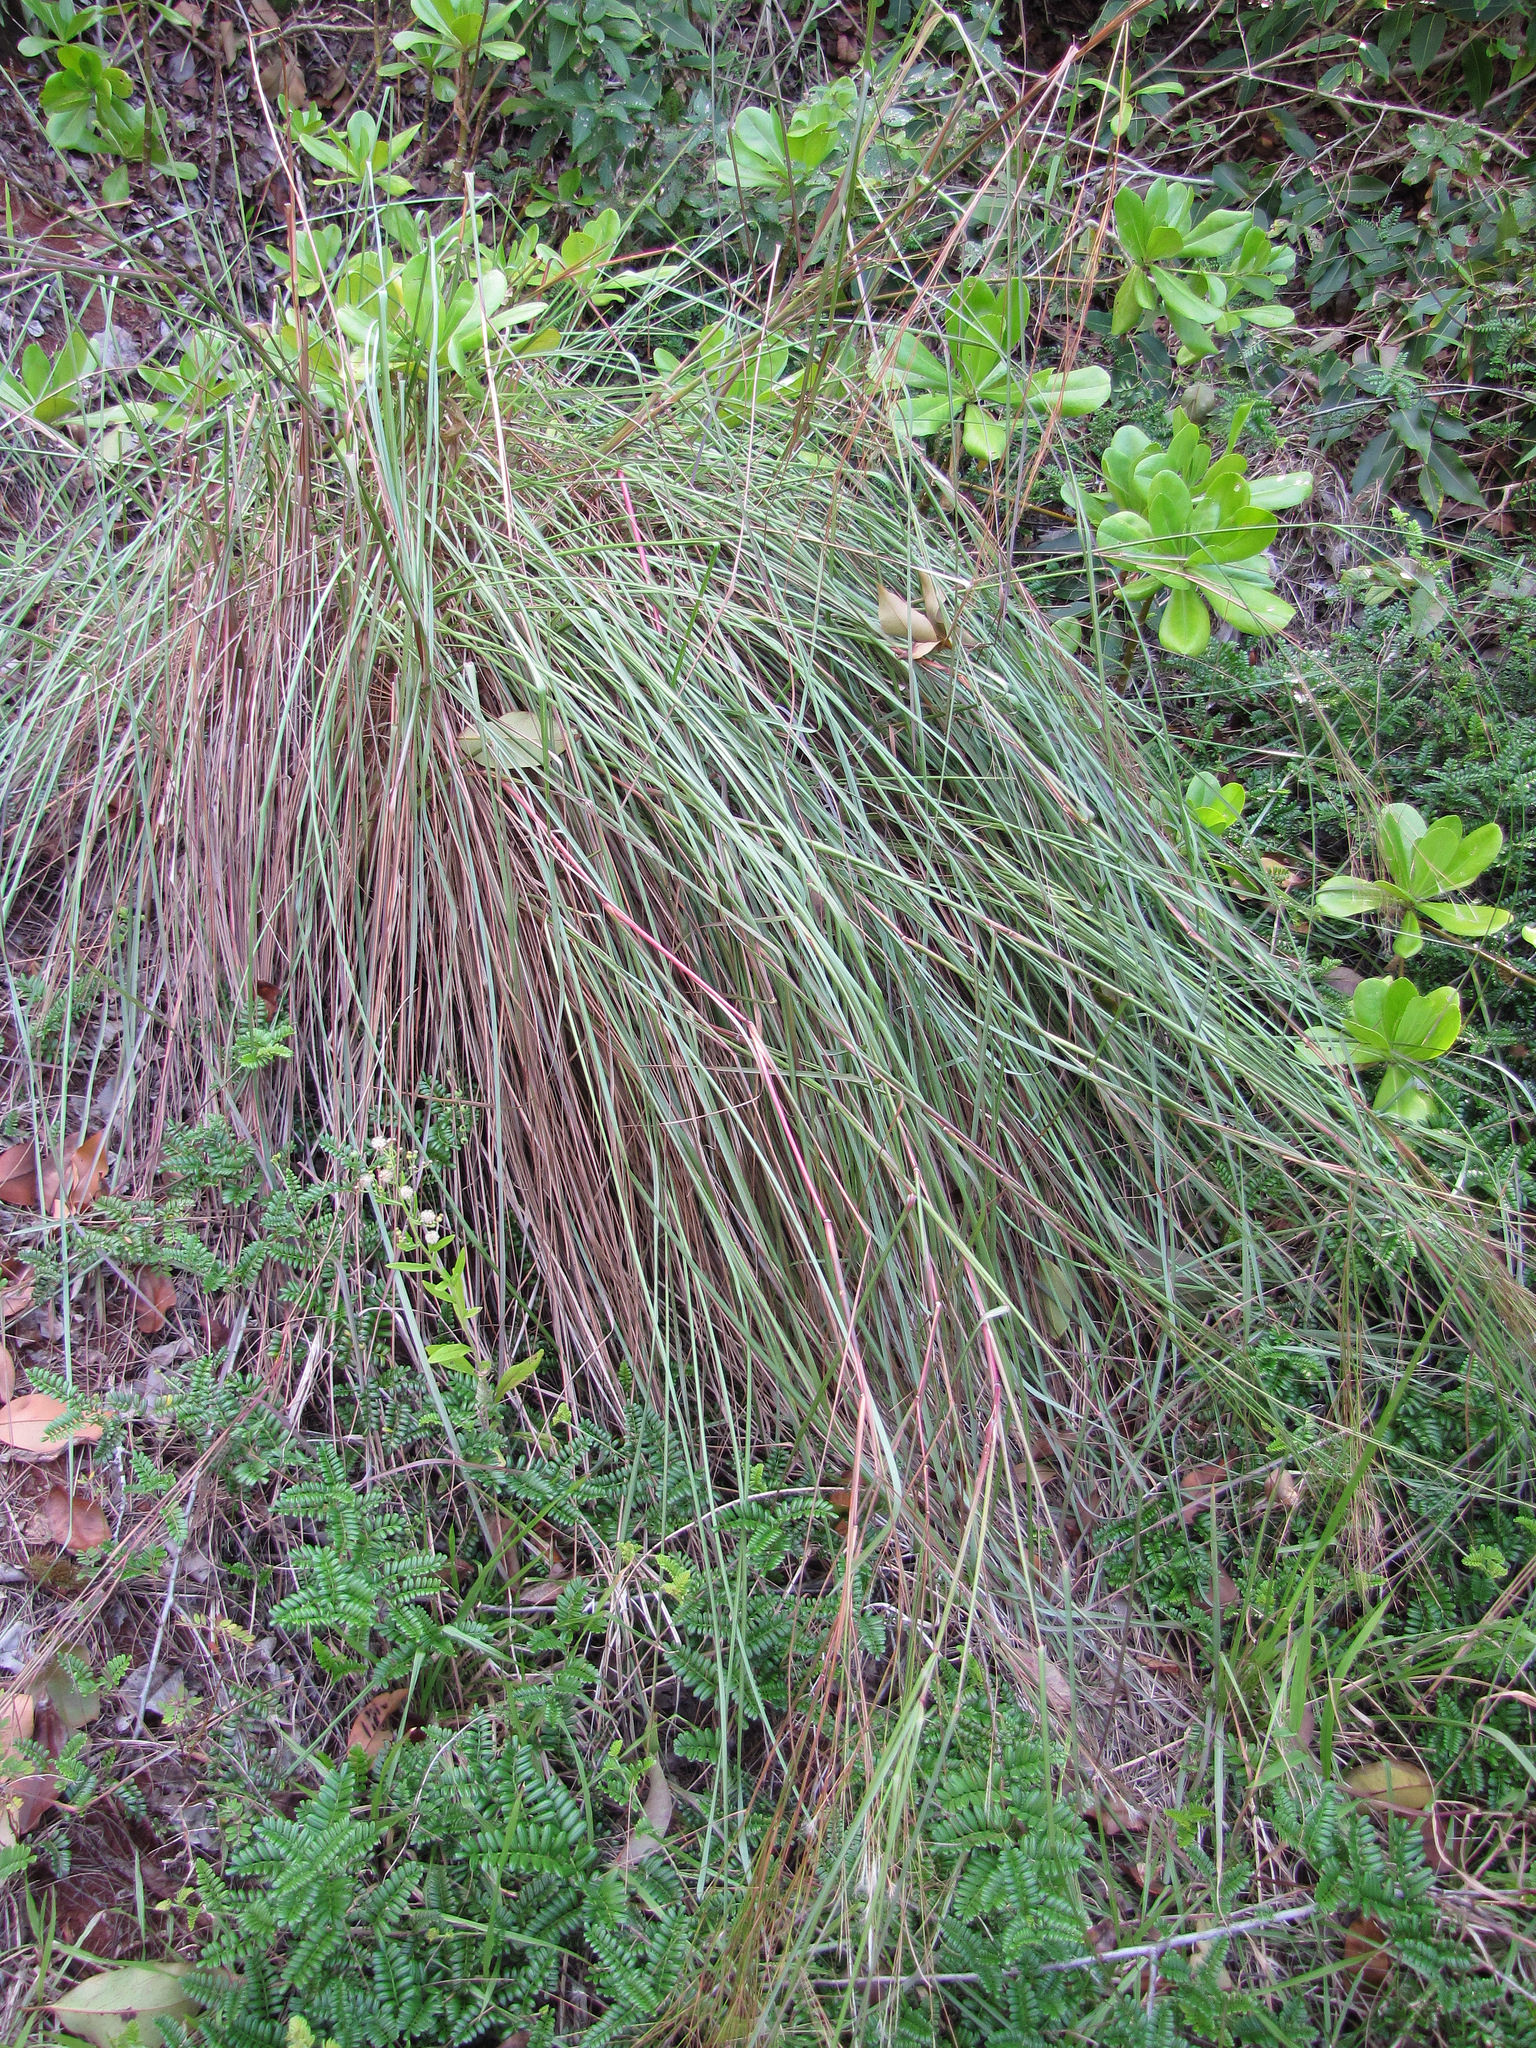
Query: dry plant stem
[
  {"x": 237, "y": 1331},
  {"x": 922, "y": 1980}
]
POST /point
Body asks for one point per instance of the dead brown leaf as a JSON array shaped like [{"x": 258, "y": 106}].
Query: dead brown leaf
[
  {"x": 156, "y": 1299},
  {"x": 64, "y": 1704},
  {"x": 281, "y": 72},
  {"x": 230, "y": 44},
  {"x": 270, "y": 996},
  {"x": 16, "y": 1294},
  {"x": 190, "y": 12},
  {"x": 26, "y": 1797},
  {"x": 23, "y": 1425},
  {"x": 7, "y": 1376},
  {"x": 543, "y": 1592},
  {"x": 1285, "y": 1490},
  {"x": 23, "y": 1802},
  {"x": 907, "y": 628},
  {"x": 1397, "y": 1787},
  {"x": 374, "y": 1728},
  {"x": 18, "y": 1713},
  {"x": 1365, "y": 1950},
  {"x": 85, "y": 1168},
  {"x": 1116, "y": 1816},
  {"x": 1200, "y": 1483},
  {"x": 18, "y": 1176},
  {"x": 657, "y": 1806},
  {"x": 265, "y": 15},
  {"x": 75, "y": 1522},
  {"x": 85, "y": 1171},
  {"x": 1227, "y": 1591}
]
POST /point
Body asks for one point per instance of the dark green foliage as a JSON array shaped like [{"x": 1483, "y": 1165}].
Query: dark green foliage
[{"x": 445, "y": 1900}]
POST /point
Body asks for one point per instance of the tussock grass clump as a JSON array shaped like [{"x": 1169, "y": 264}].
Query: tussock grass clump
[{"x": 860, "y": 1046}]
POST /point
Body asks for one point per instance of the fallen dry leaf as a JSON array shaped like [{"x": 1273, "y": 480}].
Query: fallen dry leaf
[
  {"x": 657, "y": 1806},
  {"x": 65, "y": 1702},
  {"x": 270, "y": 996},
  {"x": 265, "y": 15},
  {"x": 1058, "y": 1689},
  {"x": 1200, "y": 1482},
  {"x": 1285, "y": 1490},
  {"x": 18, "y": 1176},
  {"x": 1365, "y": 1950},
  {"x": 156, "y": 1299},
  {"x": 1398, "y": 1787},
  {"x": 374, "y": 1729},
  {"x": 23, "y": 1802},
  {"x": 282, "y": 73},
  {"x": 907, "y": 628},
  {"x": 7, "y": 1376},
  {"x": 190, "y": 12},
  {"x": 23, "y": 1425},
  {"x": 229, "y": 44},
  {"x": 1227, "y": 1592},
  {"x": 18, "y": 1712},
  {"x": 543, "y": 1592},
  {"x": 514, "y": 741},
  {"x": 50, "y": 1731},
  {"x": 933, "y": 604},
  {"x": 1116, "y": 1816},
  {"x": 75, "y": 1522},
  {"x": 16, "y": 1294},
  {"x": 85, "y": 1168},
  {"x": 86, "y": 1171}
]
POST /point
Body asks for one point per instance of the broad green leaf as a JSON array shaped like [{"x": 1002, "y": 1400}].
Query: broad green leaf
[
  {"x": 1126, "y": 537},
  {"x": 1409, "y": 942},
  {"x": 1270, "y": 317},
  {"x": 1429, "y": 1024},
  {"x": 1131, "y": 223},
  {"x": 1465, "y": 920},
  {"x": 1217, "y": 233},
  {"x": 1433, "y": 857},
  {"x": 1181, "y": 302},
  {"x": 925, "y": 413},
  {"x": 1170, "y": 512},
  {"x": 514, "y": 1376},
  {"x": 1343, "y": 897},
  {"x": 1380, "y": 460},
  {"x": 918, "y": 364},
  {"x": 1129, "y": 305},
  {"x": 1013, "y": 300},
  {"x": 1217, "y": 805},
  {"x": 1281, "y": 493},
  {"x": 1399, "y": 830},
  {"x": 1074, "y": 394},
  {"x": 1401, "y": 1096},
  {"x": 1248, "y": 604},
  {"x": 1477, "y": 851},
  {"x": 984, "y": 437},
  {"x": 1247, "y": 533},
  {"x": 102, "y": 2008},
  {"x": 1452, "y": 475},
  {"x": 1119, "y": 462},
  {"x": 1186, "y": 624}
]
